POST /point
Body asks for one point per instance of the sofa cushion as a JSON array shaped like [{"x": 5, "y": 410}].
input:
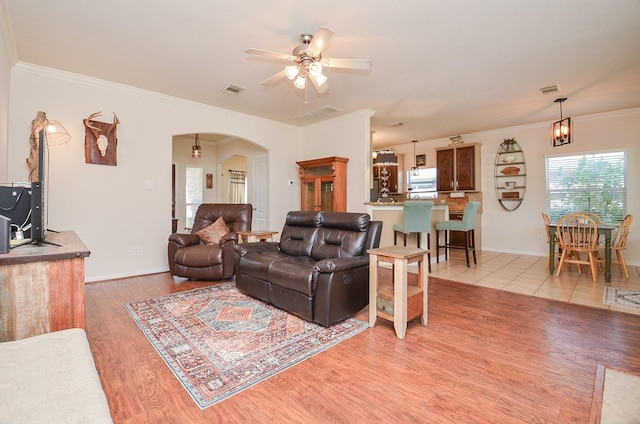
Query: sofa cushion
[
  {"x": 199, "y": 255},
  {"x": 257, "y": 264},
  {"x": 295, "y": 273},
  {"x": 341, "y": 235},
  {"x": 214, "y": 232},
  {"x": 299, "y": 232},
  {"x": 51, "y": 378}
]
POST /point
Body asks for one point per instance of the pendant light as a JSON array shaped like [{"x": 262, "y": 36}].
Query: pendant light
[
  {"x": 561, "y": 130},
  {"x": 196, "y": 150},
  {"x": 414, "y": 169}
]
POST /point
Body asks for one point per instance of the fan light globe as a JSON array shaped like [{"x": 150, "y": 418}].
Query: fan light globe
[
  {"x": 315, "y": 69},
  {"x": 300, "y": 82},
  {"x": 319, "y": 79},
  {"x": 291, "y": 71}
]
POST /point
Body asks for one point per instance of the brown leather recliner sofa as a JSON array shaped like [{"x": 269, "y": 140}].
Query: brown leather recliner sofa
[
  {"x": 190, "y": 258},
  {"x": 320, "y": 268}
]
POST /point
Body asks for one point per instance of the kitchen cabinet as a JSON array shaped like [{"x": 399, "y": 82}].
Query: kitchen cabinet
[
  {"x": 458, "y": 167},
  {"x": 323, "y": 184}
]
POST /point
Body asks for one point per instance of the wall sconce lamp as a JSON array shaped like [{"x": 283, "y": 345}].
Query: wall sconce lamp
[
  {"x": 196, "y": 149},
  {"x": 414, "y": 169},
  {"x": 561, "y": 130},
  {"x": 385, "y": 158}
]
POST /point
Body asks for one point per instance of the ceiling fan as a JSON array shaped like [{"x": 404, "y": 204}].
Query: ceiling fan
[{"x": 307, "y": 61}]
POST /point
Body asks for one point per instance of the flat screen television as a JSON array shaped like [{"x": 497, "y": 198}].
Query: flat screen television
[{"x": 39, "y": 195}]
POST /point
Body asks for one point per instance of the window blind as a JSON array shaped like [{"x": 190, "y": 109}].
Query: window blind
[
  {"x": 193, "y": 193},
  {"x": 592, "y": 182}
]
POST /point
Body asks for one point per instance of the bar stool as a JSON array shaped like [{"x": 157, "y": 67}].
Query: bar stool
[
  {"x": 467, "y": 225},
  {"x": 416, "y": 218}
]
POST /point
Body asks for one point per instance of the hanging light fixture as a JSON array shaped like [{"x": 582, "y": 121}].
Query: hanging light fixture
[
  {"x": 561, "y": 130},
  {"x": 414, "y": 169},
  {"x": 196, "y": 150}
]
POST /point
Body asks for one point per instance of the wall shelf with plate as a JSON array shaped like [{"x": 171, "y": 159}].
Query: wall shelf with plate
[{"x": 510, "y": 175}]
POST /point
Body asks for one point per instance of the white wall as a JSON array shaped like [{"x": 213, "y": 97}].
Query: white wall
[
  {"x": 5, "y": 73},
  {"x": 113, "y": 208},
  {"x": 522, "y": 231},
  {"x": 346, "y": 136}
]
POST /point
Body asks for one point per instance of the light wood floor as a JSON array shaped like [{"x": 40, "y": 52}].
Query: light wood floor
[
  {"x": 487, "y": 356},
  {"x": 527, "y": 275}
]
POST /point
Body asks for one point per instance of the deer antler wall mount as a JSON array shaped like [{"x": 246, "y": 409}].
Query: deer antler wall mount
[{"x": 100, "y": 140}]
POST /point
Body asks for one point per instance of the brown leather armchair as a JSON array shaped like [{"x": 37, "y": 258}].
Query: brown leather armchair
[{"x": 190, "y": 258}]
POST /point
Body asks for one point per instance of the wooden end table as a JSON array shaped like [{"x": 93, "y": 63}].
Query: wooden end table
[
  {"x": 254, "y": 236},
  {"x": 408, "y": 302}
]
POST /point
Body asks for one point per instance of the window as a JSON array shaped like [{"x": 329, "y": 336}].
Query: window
[
  {"x": 423, "y": 185},
  {"x": 590, "y": 182},
  {"x": 193, "y": 196}
]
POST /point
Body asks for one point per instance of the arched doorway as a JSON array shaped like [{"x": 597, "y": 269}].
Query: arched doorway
[{"x": 211, "y": 172}]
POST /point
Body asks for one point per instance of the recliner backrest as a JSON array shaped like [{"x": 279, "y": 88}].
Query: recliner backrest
[
  {"x": 341, "y": 235},
  {"x": 299, "y": 232},
  {"x": 237, "y": 216}
]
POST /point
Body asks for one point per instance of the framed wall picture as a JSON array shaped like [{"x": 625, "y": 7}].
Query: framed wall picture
[
  {"x": 209, "y": 181},
  {"x": 421, "y": 160}
]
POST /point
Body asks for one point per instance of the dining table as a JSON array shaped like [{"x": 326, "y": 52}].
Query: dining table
[{"x": 605, "y": 229}]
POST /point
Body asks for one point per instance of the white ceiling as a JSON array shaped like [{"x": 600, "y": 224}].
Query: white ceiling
[{"x": 442, "y": 68}]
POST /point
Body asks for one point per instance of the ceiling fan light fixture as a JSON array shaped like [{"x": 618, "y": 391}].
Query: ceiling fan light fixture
[
  {"x": 300, "y": 82},
  {"x": 291, "y": 71},
  {"x": 319, "y": 79},
  {"x": 315, "y": 69}
]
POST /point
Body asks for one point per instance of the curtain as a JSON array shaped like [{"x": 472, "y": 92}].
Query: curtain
[{"x": 237, "y": 184}]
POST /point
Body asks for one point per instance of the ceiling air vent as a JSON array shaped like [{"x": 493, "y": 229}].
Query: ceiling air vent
[
  {"x": 323, "y": 112},
  {"x": 550, "y": 89},
  {"x": 233, "y": 89}
]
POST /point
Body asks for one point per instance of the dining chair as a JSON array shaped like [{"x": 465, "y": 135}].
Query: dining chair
[
  {"x": 593, "y": 216},
  {"x": 578, "y": 234},
  {"x": 467, "y": 225},
  {"x": 558, "y": 252},
  {"x": 547, "y": 224},
  {"x": 619, "y": 245},
  {"x": 416, "y": 218}
]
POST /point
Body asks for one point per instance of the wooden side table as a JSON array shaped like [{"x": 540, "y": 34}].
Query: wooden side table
[
  {"x": 42, "y": 287},
  {"x": 408, "y": 302},
  {"x": 258, "y": 235}
]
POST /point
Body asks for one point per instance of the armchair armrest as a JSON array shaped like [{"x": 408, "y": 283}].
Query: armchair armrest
[
  {"x": 340, "y": 264},
  {"x": 230, "y": 236},
  {"x": 183, "y": 240}
]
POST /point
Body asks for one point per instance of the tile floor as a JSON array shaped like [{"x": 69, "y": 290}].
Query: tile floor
[{"x": 528, "y": 275}]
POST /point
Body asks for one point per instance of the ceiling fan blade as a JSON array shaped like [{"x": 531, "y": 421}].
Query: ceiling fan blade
[
  {"x": 333, "y": 62},
  {"x": 273, "y": 55},
  {"x": 320, "y": 88},
  {"x": 273, "y": 78},
  {"x": 320, "y": 40}
]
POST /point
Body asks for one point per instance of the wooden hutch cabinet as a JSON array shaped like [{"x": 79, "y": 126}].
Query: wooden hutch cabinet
[
  {"x": 323, "y": 184},
  {"x": 458, "y": 168}
]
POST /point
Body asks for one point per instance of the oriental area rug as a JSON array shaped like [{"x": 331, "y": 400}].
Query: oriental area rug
[
  {"x": 621, "y": 297},
  {"x": 218, "y": 341}
]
